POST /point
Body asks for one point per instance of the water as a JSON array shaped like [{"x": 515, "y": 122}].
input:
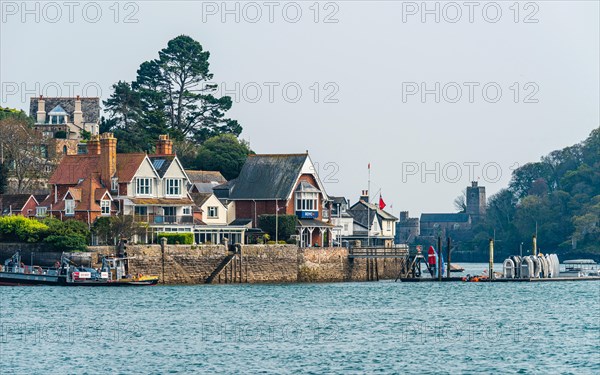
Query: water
[{"x": 377, "y": 327}]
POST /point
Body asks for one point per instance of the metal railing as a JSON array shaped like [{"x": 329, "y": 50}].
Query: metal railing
[
  {"x": 378, "y": 252},
  {"x": 164, "y": 219}
]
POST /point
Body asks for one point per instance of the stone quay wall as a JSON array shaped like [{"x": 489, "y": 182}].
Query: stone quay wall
[{"x": 193, "y": 264}]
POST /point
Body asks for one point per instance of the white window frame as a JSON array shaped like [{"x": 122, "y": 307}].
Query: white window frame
[
  {"x": 105, "y": 207},
  {"x": 41, "y": 211},
  {"x": 212, "y": 212},
  {"x": 69, "y": 207},
  {"x": 114, "y": 185},
  {"x": 146, "y": 187},
  {"x": 173, "y": 187},
  {"x": 307, "y": 201},
  {"x": 186, "y": 210}
]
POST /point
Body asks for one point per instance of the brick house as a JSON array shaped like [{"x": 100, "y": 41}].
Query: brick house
[
  {"x": 19, "y": 204},
  {"x": 288, "y": 182}
]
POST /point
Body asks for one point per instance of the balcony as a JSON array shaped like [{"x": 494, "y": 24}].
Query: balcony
[{"x": 153, "y": 219}]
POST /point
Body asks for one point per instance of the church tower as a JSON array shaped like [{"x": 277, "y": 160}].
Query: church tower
[{"x": 476, "y": 201}]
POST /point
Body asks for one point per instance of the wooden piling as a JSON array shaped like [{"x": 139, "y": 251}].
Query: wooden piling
[{"x": 439, "y": 259}]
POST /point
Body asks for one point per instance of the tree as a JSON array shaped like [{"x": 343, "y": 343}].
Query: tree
[
  {"x": 286, "y": 225},
  {"x": 460, "y": 202},
  {"x": 3, "y": 178},
  {"x": 111, "y": 229},
  {"x": 23, "y": 149},
  {"x": 223, "y": 153},
  {"x": 171, "y": 95}
]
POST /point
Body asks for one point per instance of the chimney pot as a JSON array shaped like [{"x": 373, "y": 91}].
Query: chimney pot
[{"x": 164, "y": 146}]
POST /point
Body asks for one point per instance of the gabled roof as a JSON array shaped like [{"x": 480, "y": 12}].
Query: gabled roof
[
  {"x": 445, "y": 218},
  {"x": 58, "y": 110},
  {"x": 205, "y": 176},
  {"x": 13, "y": 202},
  {"x": 73, "y": 168},
  {"x": 338, "y": 200},
  {"x": 200, "y": 198},
  {"x": 87, "y": 195},
  {"x": 268, "y": 176},
  {"x": 161, "y": 163},
  {"x": 128, "y": 165},
  {"x": 373, "y": 208}
]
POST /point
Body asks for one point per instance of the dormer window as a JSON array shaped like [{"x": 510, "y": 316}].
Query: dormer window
[
  {"x": 69, "y": 207},
  {"x": 57, "y": 116},
  {"x": 105, "y": 207}
]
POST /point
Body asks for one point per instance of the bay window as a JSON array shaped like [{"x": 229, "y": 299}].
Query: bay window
[{"x": 307, "y": 201}]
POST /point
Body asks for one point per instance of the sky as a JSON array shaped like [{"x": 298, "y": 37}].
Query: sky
[{"x": 433, "y": 95}]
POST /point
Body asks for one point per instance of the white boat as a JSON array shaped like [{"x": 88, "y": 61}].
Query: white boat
[{"x": 580, "y": 268}]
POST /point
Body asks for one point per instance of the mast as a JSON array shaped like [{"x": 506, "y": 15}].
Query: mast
[{"x": 369, "y": 222}]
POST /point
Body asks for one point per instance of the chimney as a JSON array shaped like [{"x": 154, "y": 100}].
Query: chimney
[
  {"x": 41, "y": 112},
  {"x": 164, "y": 146},
  {"x": 77, "y": 114},
  {"x": 365, "y": 196},
  {"x": 108, "y": 157},
  {"x": 93, "y": 145}
]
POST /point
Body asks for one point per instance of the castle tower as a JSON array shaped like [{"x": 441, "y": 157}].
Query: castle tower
[{"x": 476, "y": 200}]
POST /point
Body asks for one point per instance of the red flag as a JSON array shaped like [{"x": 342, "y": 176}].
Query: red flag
[
  {"x": 381, "y": 203},
  {"x": 369, "y": 166}
]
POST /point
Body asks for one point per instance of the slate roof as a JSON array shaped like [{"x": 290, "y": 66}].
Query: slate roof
[
  {"x": 360, "y": 209},
  {"x": 267, "y": 177},
  {"x": 205, "y": 176},
  {"x": 314, "y": 223},
  {"x": 338, "y": 200},
  {"x": 89, "y": 106},
  {"x": 161, "y": 163},
  {"x": 445, "y": 218},
  {"x": 203, "y": 187},
  {"x": 200, "y": 198},
  {"x": 14, "y": 202}
]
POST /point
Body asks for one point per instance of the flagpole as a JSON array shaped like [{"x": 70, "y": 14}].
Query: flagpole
[{"x": 369, "y": 208}]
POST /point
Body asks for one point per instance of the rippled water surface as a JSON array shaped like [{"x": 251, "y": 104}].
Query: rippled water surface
[{"x": 377, "y": 327}]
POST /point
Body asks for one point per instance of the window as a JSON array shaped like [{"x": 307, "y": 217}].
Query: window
[
  {"x": 141, "y": 210},
  {"x": 69, "y": 207},
  {"x": 105, "y": 206},
  {"x": 143, "y": 186},
  {"x": 114, "y": 186},
  {"x": 173, "y": 186},
  {"x": 307, "y": 201},
  {"x": 389, "y": 225},
  {"x": 346, "y": 227},
  {"x": 187, "y": 210},
  {"x": 213, "y": 212}
]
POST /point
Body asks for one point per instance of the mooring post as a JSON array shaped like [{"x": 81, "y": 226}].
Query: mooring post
[
  {"x": 439, "y": 259},
  {"x": 491, "y": 265},
  {"x": 534, "y": 245},
  {"x": 163, "y": 245},
  {"x": 448, "y": 244}
]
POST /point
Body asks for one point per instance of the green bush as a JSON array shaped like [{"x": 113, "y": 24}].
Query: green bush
[
  {"x": 61, "y": 134},
  {"x": 286, "y": 225},
  {"x": 21, "y": 229},
  {"x": 177, "y": 238},
  {"x": 271, "y": 242},
  {"x": 69, "y": 243}
]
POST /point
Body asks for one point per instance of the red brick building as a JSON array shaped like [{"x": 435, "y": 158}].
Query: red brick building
[{"x": 289, "y": 182}]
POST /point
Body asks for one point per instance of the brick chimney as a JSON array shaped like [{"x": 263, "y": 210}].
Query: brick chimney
[
  {"x": 108, "y": 157},
  {"x": 164, "y": 146},
  {"x": 364, "y": 196},
  {"x": 93, "y": 145},
  {"x": 77, "y": 113},
  {"x": 41, "y": 112}
]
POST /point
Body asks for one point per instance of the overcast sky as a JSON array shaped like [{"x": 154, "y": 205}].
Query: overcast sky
[{"x": 344, "y": 80}]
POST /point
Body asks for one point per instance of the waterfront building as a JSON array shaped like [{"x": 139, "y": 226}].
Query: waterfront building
[
  {"x": 373, "y": 226},
  {"x": 151, "y": 188},
  {"x": 284, "y": 184},
  {"x": 343, "y": 222},
  {"x": 19, "y": 204},
  {"x": 407, "y": 228}
]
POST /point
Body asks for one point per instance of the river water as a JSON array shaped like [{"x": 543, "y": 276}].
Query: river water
[{"x": 376, "y": 327}]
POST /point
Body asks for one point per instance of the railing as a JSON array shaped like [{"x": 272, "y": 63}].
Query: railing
[
  {"x": 378, "y": 252},
  {"x": 164, "y": 219}
]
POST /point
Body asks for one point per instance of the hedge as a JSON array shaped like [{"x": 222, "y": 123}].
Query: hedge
[
  {"x": 177, "y": 238},
  {"x": 287, "y": 225},
  {"x": 70, "y": 235}
]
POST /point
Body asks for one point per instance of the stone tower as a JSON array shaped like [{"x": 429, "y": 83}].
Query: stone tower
[{"x": 476, "y": 201}]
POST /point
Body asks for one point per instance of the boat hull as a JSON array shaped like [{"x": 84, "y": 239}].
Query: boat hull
[
  {"x": 114, "y": 283},
  {"x": 7, "y": 278}
]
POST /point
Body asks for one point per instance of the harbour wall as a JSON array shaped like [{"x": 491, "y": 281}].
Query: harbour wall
[{"x": 194, "y": 264}]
